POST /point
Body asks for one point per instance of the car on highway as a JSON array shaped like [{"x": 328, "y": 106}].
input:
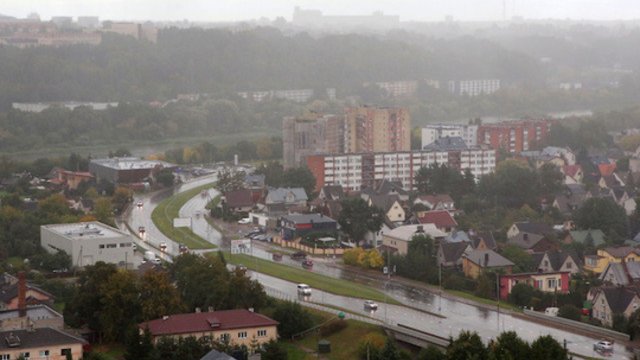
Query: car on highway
[
  {"x": 244, "y": 221},
  {"x": 183, "y": 249},
  {"x": 603, "y": 346},
  {"x": 140, "y": 204},
  {"x": 370, "y": 305},
  {"x": 163, "y": 246},
  {"x": 304, "y": 289},
  {"x": 141, "y": 229},
  {"x": 300, "y": 255}
]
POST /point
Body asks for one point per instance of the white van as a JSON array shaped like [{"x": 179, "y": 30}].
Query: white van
[
  {"x": 304, "y": 289},
  {"x": 551, "y": 311}
]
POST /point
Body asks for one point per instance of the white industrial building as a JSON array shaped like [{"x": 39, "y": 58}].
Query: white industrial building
[{"x": 89, "y": 242}]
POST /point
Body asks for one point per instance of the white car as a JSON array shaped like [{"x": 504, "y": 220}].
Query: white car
[
  {"x": 140, "y": 204},
  {"x": 244, "y": 221},
  {"x": 304, "y": 289},
  {"x": 370, "y": 305},
  {"x": 603, "y": 346},
  {"x": 163, "y": 246}
]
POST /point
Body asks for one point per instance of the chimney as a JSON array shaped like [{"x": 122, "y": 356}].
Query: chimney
[
  {"x": 420, "y": 229},
  {"x": 210, "y": 309},
  {"x": 486, "y": 259},
  {"x": 22, "y": 294}
]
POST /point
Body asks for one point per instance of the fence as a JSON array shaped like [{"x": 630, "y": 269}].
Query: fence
[
  {"x": 579, "y": 325},
  {"x": 295, "y": 244}
]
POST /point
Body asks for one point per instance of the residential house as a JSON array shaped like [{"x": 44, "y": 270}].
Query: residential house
[
  {"x": 599, "y": 262},
  {"x": 238, "y": 201},
  {"x": 255, "y": 183},
  {"x": 611, "y": 300},
  {"x": 450, "y": 253},
  {"x": 532, "y": 243},
  {"x": 552, "y": 282},
  {"x": 571, "y": 199},
  {"x": 478, "y": 261},
  {"x": 31, "y": 317},
  {"x": 68, "y": 179},
  {"x": 390, "y": 205},
  {"x": 40, "y": 343},
  {"x": 442, "y": 219},
  {"x": 283, "y": 200},
  {"x": 436, "y": 202},
  {"x": 298, "y": 225},
  {"x": 591, "y": 237},
  {"x": 400, "y": 237},
  {"x": 331, "y": 192},
  {"x": 557, "y": 261},
  {"x": 12, "y": 288},
  {"x": 386, "y": 187},
  {"x": 529, "y": 227},
  {"x": 483, "y": 240},
  {"x": 572, "y": 174},
  {"x": 237, "y": 327},
  {"x": 458, "y": 236},
  {"x": 621, "y": 274}
]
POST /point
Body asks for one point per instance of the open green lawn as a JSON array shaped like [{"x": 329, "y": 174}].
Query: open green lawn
[
  {"x": 168, "y": 209},
  {"x": 322, "y": 282},
  {"x": 344, "y": 343}
]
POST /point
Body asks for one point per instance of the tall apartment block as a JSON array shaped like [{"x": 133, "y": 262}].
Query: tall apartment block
[
  {"x": 514, "y": 136},
  {"x": 355, "y": 171},
  {"x": 310, "y": 134},
  {"x": 377, "y": 129}
]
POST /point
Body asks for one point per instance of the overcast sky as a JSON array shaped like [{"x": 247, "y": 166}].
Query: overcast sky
[{"x": 234, "y": 10}]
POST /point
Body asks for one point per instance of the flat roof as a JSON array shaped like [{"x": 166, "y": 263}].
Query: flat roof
[
  {"x": 85, "y": 230},
  {"x": 130, "y": 163}
]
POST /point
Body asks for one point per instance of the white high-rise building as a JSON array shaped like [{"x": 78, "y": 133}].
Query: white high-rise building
[{"x": 431, "y": 133}]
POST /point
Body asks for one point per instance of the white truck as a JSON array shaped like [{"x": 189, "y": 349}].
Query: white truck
[{"x": 150, "y": 256}]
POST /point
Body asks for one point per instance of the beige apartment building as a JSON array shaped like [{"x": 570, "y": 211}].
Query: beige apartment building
[{"x": 377, "y": 129}]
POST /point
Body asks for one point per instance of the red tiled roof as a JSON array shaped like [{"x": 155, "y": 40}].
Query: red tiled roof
[
  {"x": 441, "y": 218},
  {"x": 207, "y": 321},
  {"x": 239, "y": 198},
  {"x": 607, "y": 169},
  {"x": 571, "y": 170}
]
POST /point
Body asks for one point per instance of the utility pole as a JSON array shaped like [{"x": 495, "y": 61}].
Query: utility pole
[
  {"x": 498, "y": 297},
  {"x": 440, "y": 286}
]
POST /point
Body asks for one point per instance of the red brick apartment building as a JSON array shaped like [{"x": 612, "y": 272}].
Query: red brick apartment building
[{"x": 514, "y": 136}]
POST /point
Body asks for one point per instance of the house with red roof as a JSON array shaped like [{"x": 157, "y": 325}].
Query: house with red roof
[
  {"x": 442, "y": 219},
  {"x": 572, "y": 174},
  {"x": 236, "y": 327}
]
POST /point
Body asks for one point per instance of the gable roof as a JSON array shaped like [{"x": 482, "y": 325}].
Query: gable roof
[
  {"x": 39, "y": 338},
  {"x": 384, "y": 202},
  {"x": 384, "y": 187},
  {"x": 238, "y": 198},
  {"x": 618, "y": 297},
  {"x": 487, "y": 237},
  {"x": 556, "y": 258},
  {"x": 623, "y": 273},
  {"x": 406, "y": 232},
  {"x": 441, "y": 218},
  {"x": 621, "y": 251},
  {"x": 488, "y": 259},
  {"x": 525, "y": 240},
  {"x": 435, "y": 199},
  {"x": 10, "y": 291},
  {"x": 332, "y": 192},
  {"x": 254, "y": 180},
  {"x": 534, "y": 227},
  {"x": 216, "y": 355},
  {"x": 206, "y": 321},
  {"x": 458, "y": 236},
  {"x": 452, "y": 251},
  {"x": 279, "y": 195},
  {"x": 571, "y": 170},
  {"x": 606, "y": 169}
]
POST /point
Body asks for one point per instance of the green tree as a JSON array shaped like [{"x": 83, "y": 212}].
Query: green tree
[
  {"x": 467, "y": 345},
  {"x": 513, "y": 184},
  {"x": 569, "y": 311},
  {"x": 103, "y": 210},
  {"x": 273, "y": 351},
  {"x": 389, "y": 351},
  {"x": 229, "y": 180},
  {"x": 549, "y": 179},
  {"x": 521, "y": 294},
  {"x": 509, "y": 346},
  {"x": 431, "y": 353},
  {"x": 245, "y": 293},
  {"x": 603, "y": 214},
  {"x": 547, "y": 348},
  {"x": 300, "y": 177},
  {"x": 158, "y": 296},
  {"x": 120, "y": 306},
  {"x": 292, "y": 318},
  {"x": 357, "y": 218},
  {"x": 138, "y": 347},
  {"x": 165, "y": 177},
  {"x": 272, "y": 172}
]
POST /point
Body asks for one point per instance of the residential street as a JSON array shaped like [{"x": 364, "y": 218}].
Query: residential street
[{"x": 459, "y": 315}]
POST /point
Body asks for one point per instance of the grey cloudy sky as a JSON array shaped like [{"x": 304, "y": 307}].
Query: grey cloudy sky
[{"x": 233, "y": 10}]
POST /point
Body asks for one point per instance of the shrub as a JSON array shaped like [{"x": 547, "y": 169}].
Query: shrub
[
  {"x": 570, "y": 312},
  {"x": 351, "y": 256},
  {"x": 333, "y": 327},
  {"x": 371, "y": 344}
]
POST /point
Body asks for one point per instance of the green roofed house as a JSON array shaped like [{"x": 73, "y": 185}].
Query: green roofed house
[{"x": 595, "y": 237}]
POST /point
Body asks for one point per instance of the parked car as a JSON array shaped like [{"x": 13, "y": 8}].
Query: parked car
[
  {"x": 370, "y": 305},
  {"x": 551, "y": 311},
  {"x": 603, "y": 346},
  {"x": 304, "y": 289},
  {"x": 307, "y": 264},
  {"x": 183, "y": 249},
  {"x": 300, "y": 255},
  {"x": 261, "y": 237},
  {"x": 244, "y": 221}
]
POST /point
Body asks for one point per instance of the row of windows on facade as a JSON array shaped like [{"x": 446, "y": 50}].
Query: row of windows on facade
[
  {"x": 113, "y": 246},
  {"x": 43, "y": 354},
  {"x": 242, "y": 335}
]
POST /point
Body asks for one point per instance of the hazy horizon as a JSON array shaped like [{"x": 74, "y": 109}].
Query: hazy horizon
[{"x": 408, "y": 10}]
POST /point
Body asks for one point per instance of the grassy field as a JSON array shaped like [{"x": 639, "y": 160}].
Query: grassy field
[
  {"x": 325, "y": 283},
  {"x": 168, "y": 209}
]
